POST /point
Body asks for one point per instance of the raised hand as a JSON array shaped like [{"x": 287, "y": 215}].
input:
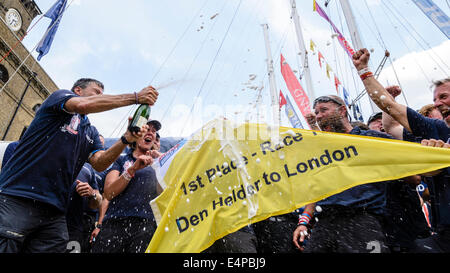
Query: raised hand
[
  {"x": 361, "y": 58},
  {"x": 394, "y": 90},
  {"x": 133, "y": 137},
  {"x": 148, "y": 95},
  {"x": 143, "y": 161}
]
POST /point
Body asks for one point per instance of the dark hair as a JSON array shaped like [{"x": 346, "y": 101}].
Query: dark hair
[
  {"x": 359, "y": 124},
  {"x": 84, "y": 82}
]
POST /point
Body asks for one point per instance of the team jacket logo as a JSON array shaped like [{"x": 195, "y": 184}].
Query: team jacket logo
[
  {"x": 73, "y": 126},
  {"x": 127, "y": 164}
]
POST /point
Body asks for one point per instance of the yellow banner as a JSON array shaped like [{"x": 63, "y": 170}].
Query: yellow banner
[{"x": 225, "y": 177}]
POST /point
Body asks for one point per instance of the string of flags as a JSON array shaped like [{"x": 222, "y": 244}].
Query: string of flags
[{"x": 322, "y": 61}]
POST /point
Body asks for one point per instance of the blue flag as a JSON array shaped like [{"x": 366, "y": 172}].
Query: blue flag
[
  {"x": 346, "y": 96},
  {"x": 435, "y": 14},
  {"x": 290, "y": 113},
  {"x": 357, "y": 113},
  {"x": 55, "y": 13}
]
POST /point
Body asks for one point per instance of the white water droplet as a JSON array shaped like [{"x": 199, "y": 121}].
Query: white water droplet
[
  {"x": 319, "y": 209},
  {"x": 258, "y": 160},
  {"x": 166, "y": 229}
]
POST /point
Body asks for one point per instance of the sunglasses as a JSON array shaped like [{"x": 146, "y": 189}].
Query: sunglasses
[{"x": 323, "y": 99}]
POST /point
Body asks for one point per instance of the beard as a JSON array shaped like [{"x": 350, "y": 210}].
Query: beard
[
  {"x": 332, "y": 123},
  {"x": 445, "y": 111}
]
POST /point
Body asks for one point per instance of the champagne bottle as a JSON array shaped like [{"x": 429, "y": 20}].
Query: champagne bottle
[{"x": 140, "y": 118}]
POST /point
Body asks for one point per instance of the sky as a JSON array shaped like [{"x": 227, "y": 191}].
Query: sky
[{"x": 207, "y": 58}]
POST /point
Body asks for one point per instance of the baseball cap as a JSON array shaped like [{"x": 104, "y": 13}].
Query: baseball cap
[
  {"x": 374, "y": 117},
  {"x": 156, "y": 124}
]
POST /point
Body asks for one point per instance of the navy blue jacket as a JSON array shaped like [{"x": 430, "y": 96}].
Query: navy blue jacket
[
  {"x": 371, "y": 197},
  {"x": 51, "y": 153}
]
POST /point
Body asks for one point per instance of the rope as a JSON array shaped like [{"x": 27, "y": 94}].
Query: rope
[
  {"x": 242, "y": 51},
  {"x": 19, "y": 40},
  {"x": 191, "y": 64},
  {"x": 424, "y": 41},
  {"x": 34, "y": 48},
  {"x": 124, "y": 121},
  {"x": 409, "y": 49},
  {"x": 385, "y": 48},
  {"x": 212, "y": 64}
]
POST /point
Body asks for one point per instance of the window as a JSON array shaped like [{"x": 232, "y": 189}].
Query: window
[{"x": 4, "y": 75}]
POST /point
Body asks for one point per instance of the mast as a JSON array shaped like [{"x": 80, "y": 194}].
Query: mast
[
  {"x": 304, "y": 52},
  {"x": 356, "y": 37},
  {"x": 273, "y": 88}
]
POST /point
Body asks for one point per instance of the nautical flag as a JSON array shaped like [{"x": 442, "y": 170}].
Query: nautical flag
[
  {"x": 346, "y": 96},
  {"x": 312, "y": 45},
  {"x": 328, "y": 70},
  {"x": 282, "y": 100},
  {"x": 341, "y": 38},
  {"x": 320, "y": 58},
  {"x": 292, "y": 116},
  {"x": 336, "y": 83},
  {"x": 436, "y": 15},
  {"x": 295, "y": 88},
  {"x": 55, "y": 13},
  {"x": 357, "y": 113}
]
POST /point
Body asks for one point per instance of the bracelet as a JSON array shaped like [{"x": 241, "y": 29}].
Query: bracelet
[
  {"x": 304, "y": 219},
  {"x": 364, "y": 70},
  {"x": 126, "y": 174},
  {"x": 366, "y": 75},
  {"x": 136, "y": 100}
]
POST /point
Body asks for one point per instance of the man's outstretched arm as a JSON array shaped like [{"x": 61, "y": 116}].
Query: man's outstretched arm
[{"x": 377, "y": 92}]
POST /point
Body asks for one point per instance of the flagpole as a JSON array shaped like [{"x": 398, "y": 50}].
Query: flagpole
[
  {"x": 301, "y": 44},
  {"x": 34, "y": 48},
  {"x": 273, "y": 87},
  {"x": 355, "y": 37}
]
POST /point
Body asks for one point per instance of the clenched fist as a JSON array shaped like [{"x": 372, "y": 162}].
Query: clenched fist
[
  {"x": 148, "y": 95},
  {"x": 361, "y": 59}
]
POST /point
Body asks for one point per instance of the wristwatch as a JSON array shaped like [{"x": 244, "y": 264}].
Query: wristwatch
[
  {"x": 125, "y": 141},
  {"x": 99, "y": 226}
]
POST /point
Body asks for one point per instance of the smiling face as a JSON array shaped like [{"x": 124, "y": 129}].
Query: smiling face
[
  {"x": 376, "y": 125},
  {"x": 442, "y": 100},
  {"x": 146, "y": 143},
  {"x": 329, "y": 117}
]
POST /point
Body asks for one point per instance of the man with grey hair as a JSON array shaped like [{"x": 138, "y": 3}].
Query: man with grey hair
[
  {"x": 35, "y": 183},
  {"x": 434, "y": 132}
]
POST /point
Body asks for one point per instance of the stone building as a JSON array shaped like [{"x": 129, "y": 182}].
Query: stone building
[{"x": 24, "y": 84}]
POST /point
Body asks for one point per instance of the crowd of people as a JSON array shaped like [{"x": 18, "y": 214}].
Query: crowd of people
[{"x": 62, "y": 191}]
